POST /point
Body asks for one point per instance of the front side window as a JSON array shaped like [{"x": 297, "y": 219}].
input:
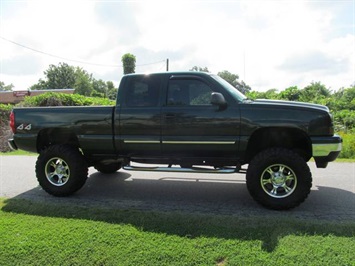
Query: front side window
[{"x": 188, "y": 92}]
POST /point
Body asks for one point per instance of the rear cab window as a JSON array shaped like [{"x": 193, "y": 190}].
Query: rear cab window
[{"x": 142, "y": 91}]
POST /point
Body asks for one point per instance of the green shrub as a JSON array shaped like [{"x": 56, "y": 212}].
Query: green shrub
[
  {"x": 62, "y": 99},
  {"x": 5, "y": 132},
  {"x": 5, "y": 110},
  {"x": 5, "y": 107},
  {"x": 348, "y": 150}
]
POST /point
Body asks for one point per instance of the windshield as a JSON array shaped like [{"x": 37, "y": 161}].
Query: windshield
[{"x": 232, "y": 90}]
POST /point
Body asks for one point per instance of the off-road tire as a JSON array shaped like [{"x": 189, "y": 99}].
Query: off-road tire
[
  {"x": 279, "y": 179},
  {"x": 61, "y": 170}
]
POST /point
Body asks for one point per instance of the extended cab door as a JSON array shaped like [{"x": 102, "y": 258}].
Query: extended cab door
[
  {"x": 194, "y": 128},
  {"x": 138, "y": 117}
]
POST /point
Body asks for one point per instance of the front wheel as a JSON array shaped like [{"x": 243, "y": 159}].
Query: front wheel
[
  {"x": 279, "y": 179},
  {"x": 61, "y": 170}
]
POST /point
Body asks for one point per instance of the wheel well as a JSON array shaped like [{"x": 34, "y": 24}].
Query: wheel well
[
  {"x": 290, "y": 138},
  {"x": 53, "y": 136}
]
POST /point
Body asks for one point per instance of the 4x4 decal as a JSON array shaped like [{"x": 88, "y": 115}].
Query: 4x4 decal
[{"x": 24, "y": 127}]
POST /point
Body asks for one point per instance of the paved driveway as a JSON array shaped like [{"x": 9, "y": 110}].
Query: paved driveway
[{"x": 332, "y": 197}]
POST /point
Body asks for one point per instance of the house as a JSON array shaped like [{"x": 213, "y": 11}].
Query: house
[{"x": 13, "y": 97}]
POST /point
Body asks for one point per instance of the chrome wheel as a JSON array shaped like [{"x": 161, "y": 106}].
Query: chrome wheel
[
  {"x": 57, "y": 171},
  {"x": 278, "y": 181}
]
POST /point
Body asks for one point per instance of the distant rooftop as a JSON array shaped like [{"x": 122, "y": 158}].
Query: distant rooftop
[{"x": 17, "y": 96}]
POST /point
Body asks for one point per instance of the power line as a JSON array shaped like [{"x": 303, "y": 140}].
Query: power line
[{"x": 68, "y": 59}]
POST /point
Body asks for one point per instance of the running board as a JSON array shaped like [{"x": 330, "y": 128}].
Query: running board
[{"x": 182, "y": 170}]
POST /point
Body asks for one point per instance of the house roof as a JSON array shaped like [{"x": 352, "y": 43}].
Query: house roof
[{"x": 14, "y": 97}]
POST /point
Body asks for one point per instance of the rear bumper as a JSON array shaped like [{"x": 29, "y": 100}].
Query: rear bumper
[
  {"x": 12, "y": 144},
  {"x": 326, "y": 149}
]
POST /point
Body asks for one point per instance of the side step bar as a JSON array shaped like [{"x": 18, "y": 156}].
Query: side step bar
[{"x": 185, "y": 170}]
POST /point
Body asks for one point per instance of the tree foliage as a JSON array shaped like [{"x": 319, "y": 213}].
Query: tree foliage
[
  {"x": 314, "y": 92},
  {"x": 4, "y": 87},
  {"x": 341, "y": 103},
  {"x": 64, "y": 76},
  {"x": 200, "y": 69},
  {"x": 233, "y": 79},
  {"x": 61, "y": 76},
  {"x": 63, "y": 99},
  {"x": 83, "y": 82},
  {"x": 129, "y": 63}
]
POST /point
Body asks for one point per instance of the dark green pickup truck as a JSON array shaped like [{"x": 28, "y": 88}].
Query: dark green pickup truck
[{"x": 188, "y": 121}]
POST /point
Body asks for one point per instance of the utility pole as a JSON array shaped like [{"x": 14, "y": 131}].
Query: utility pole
[{"x": 167, "y": 64}]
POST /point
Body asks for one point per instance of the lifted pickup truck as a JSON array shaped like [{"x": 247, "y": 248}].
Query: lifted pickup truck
[{"x": 189, "y": 121}]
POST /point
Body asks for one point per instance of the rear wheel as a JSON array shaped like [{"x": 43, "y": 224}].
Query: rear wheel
[
  {"x": 279, "y": 179},
  {"x": 61, "y": 170}
]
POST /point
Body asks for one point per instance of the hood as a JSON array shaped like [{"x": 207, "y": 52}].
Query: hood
[{"x": 291, "y": 104}]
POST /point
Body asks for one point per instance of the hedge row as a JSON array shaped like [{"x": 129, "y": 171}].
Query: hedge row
[{"x": 62, "y": 99}]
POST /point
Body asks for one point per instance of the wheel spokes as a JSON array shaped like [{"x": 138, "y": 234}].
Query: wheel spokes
[
  {"x": 278, "y": 181},
  {"x": 57, "y": 171}
]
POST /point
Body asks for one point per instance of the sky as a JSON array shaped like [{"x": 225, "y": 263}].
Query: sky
[{"x": 268, "y": 44}]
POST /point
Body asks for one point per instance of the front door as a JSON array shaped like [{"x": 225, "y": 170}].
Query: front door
[{"x": 194, "y": 128}]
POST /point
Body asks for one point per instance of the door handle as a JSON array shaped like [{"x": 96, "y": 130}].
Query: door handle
[{"x": 170, "y": 116}]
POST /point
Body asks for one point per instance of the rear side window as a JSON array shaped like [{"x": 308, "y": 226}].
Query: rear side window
[
  {"x": 188, "y": 92},
  {"x": 143, "y": 91}
]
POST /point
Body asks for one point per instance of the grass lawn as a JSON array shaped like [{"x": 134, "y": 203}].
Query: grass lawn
[
  {"x": 34, "y": 233},
  {"x": 17, "y": 152}
]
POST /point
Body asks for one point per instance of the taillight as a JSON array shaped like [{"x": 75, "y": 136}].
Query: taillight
[{"x": 12, "y": 122}]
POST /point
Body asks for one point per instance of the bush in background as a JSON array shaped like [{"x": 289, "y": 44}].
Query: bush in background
[
  {"x": 348, "y": 150},
  {"x": 62, "y": 99},
  {"x": 5, "y": 131}
]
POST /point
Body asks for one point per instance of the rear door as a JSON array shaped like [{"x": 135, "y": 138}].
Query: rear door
[{"x": 138, "y": 118}]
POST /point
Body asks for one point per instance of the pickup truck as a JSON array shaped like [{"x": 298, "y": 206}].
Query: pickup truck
[{"x": 183, "y": 122}]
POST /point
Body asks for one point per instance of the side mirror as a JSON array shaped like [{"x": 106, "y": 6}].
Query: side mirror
[{"x": 218, "y": 99}]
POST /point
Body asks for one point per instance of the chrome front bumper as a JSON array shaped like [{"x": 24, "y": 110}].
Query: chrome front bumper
[{"x": 326, "y": 149}]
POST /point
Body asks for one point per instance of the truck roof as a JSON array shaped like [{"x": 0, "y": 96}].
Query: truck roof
[{"x": 195, "y": 73}]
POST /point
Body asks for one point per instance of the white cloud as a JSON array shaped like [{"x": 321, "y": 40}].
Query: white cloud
[{"x": 269, "y": 44}]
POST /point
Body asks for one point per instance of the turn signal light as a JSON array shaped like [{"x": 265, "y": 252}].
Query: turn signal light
[{"x": 12, "y": 122}]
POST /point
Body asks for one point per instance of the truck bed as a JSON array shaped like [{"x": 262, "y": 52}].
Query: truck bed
[{"x": 91, "y": 125}]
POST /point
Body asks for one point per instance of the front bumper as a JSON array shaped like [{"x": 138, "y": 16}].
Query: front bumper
[{"x": 326, "y": 149}]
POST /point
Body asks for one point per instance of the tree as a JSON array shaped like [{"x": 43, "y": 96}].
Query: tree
[
  {"x": 4, "y": 87},
  {"x": 40, "y": 85},
  {"x": 57, "y": 77},
  {"x": 233, "y": 80},
  {"x": 60, "y": 77},
  {"x": 111, "y": 90},
  {"x": 65, "y": 76},
  {"x": 313, "y": 92},
  {"x": 229, "y": 77},
  {"x": 129, "y": 63},
  {"x": 83, "y": 82},
  {"x": 200, "y": 69},
  {"x": 242, "y": 87},
  {"x": 291, "y": 94},
  {"x": 100, "y": 88}
]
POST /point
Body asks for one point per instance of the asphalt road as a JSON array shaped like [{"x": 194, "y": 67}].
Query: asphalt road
[{"x": 332, "y": 197}]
